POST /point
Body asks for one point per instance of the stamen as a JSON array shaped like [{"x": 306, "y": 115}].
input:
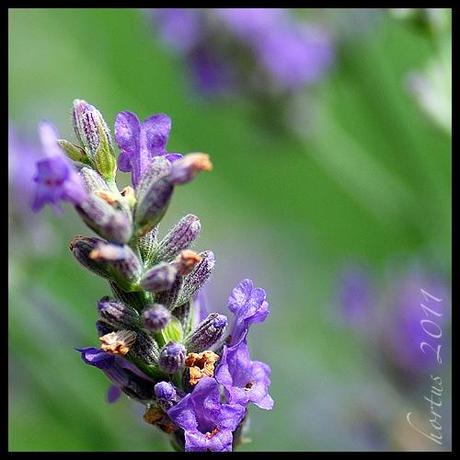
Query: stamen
[{"x": 209, "y": 435}]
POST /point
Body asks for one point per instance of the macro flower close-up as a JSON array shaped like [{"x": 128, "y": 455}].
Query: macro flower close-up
[{"x": 230, "y": 229}]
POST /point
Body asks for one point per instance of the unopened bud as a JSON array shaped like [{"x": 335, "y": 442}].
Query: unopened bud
[
  {"x": 74, "y": 152},
  {"x": 185, "y": 169},
  {"x": 180, "y": 237},
  {"x": 118, "y": 314},
  {"x": 123, "y": 263},
  {"x": 159, "y": 278},
  {"x": 82, "y": 247},
  {"x": 93, "y": 180},
  {"x": 156, "y": 317},
  {"x": 207, "y": 334},
  {"x": 147, "y": 244},
  {"x": 153, "y": 194},
  {"x": 93, "y": 133},
  {"x": 107, "y": 221},
  {"x": 172, "y": 357},
  {"x": 198, "y": 277}
]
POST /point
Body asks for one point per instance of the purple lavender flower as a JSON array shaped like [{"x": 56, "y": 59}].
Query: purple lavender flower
[
  {"x": 56, "y": 178},
  {"x": 141, "y": 142},
  {"x": 249, "y": 305},
  {"x": 208, "y": 423},
  {"x": 244, "y": 380}
]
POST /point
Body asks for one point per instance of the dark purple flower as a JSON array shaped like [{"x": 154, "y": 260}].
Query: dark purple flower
[
  {"x": 56, "y": 178},
  {"x": 244, "y": 380},
  {"x": 141, "y": 142},
  {"x": 208, "y": 424},
  {"x": 249, "y": 306},
  {"x": 122, "y": 373}
]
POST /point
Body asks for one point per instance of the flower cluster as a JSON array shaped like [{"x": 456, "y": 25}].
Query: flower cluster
[
  {"x": 157, "y": 344},
  {"x": 251, "y": 50}
]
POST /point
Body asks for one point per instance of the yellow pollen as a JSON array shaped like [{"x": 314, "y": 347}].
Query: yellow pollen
[
  {"x": 186, "y": 261},
  {"x": 200, "y": 161},
  {"x": 200, "y": 365},
  {"x": 118, "y": 343}
]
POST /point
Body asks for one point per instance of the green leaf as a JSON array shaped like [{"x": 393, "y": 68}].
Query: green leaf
[{"x": 173, "y": 331}]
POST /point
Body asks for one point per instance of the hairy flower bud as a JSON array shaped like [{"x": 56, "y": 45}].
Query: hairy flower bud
[
  {"x": 145, "y": 349},
  {"x": 180, "y": 237},
  {"x": 207, "y": 333},
  {"x": 122, "y": 262},
  {"x": 172, "y": 357},
  {"x": 147, "y": 245},
  {"x": 159, "y": 278},
  {"x": 118, "y": 314},
  {"x": 92, "y": 180},
  {"x": 156, "y": 317},
  {"x": 107, "y": 221},
  {"x": 198, "y": 277},
  {"x": 93, "y": 133},
  {"x": 81, "y": 247},
  {"x": 185, "y": 169}
]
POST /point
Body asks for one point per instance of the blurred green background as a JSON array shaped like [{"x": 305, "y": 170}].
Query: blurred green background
[{"x": 371, "y": 182}]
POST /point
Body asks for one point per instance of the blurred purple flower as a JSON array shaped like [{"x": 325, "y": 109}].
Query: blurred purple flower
[
  {"x": 56, "y": 178},
  {"x": 356, "y": 296},
  {"x": 208, "y": 423},
  {"x": 405, "y": 330},
  {"x": 244, "y": 380},
  {"x": 237, "y": 47}
]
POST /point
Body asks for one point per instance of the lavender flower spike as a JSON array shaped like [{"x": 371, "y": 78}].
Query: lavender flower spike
[
  {"x": 244, "y": 380},
  {"x": 56, "y": 178},
  {"x": 208, "y": 424},
  {"x": 249, "y": 305}
]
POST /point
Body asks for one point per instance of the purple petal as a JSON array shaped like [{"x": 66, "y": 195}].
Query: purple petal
[
  {"x": 113, "y": 394},
  {"x": 127, "y": 130},
  {"x": 48, "y": 138},
  {"x": 155, "y": 131}
]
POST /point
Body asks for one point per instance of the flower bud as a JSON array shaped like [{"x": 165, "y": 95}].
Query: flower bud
[
  {"x": 92, "y": 180},
  {"x": 207, "y": 333},
  {"x": 185, "y": 169},
  {"x": 93, "y": 133},
  {"x": 198, "y": 277},
  {"x": 82, "y": 247},
  {"x": 147, "y": 244},
  {"x": 159, "y": 278},
  {"x": 166, "y": 395},
  {"x": 123, "y": 263},
  {"x": 172, "y": 357},
  {"x": 156, "y": 317},
  {"x": 180, "y": 237},
  {"x": 110, "y": 223},
  {"x": 117, "y": 314},
  {"x": 153, "y": 194},
  {"x": 145, "y": 349}
]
